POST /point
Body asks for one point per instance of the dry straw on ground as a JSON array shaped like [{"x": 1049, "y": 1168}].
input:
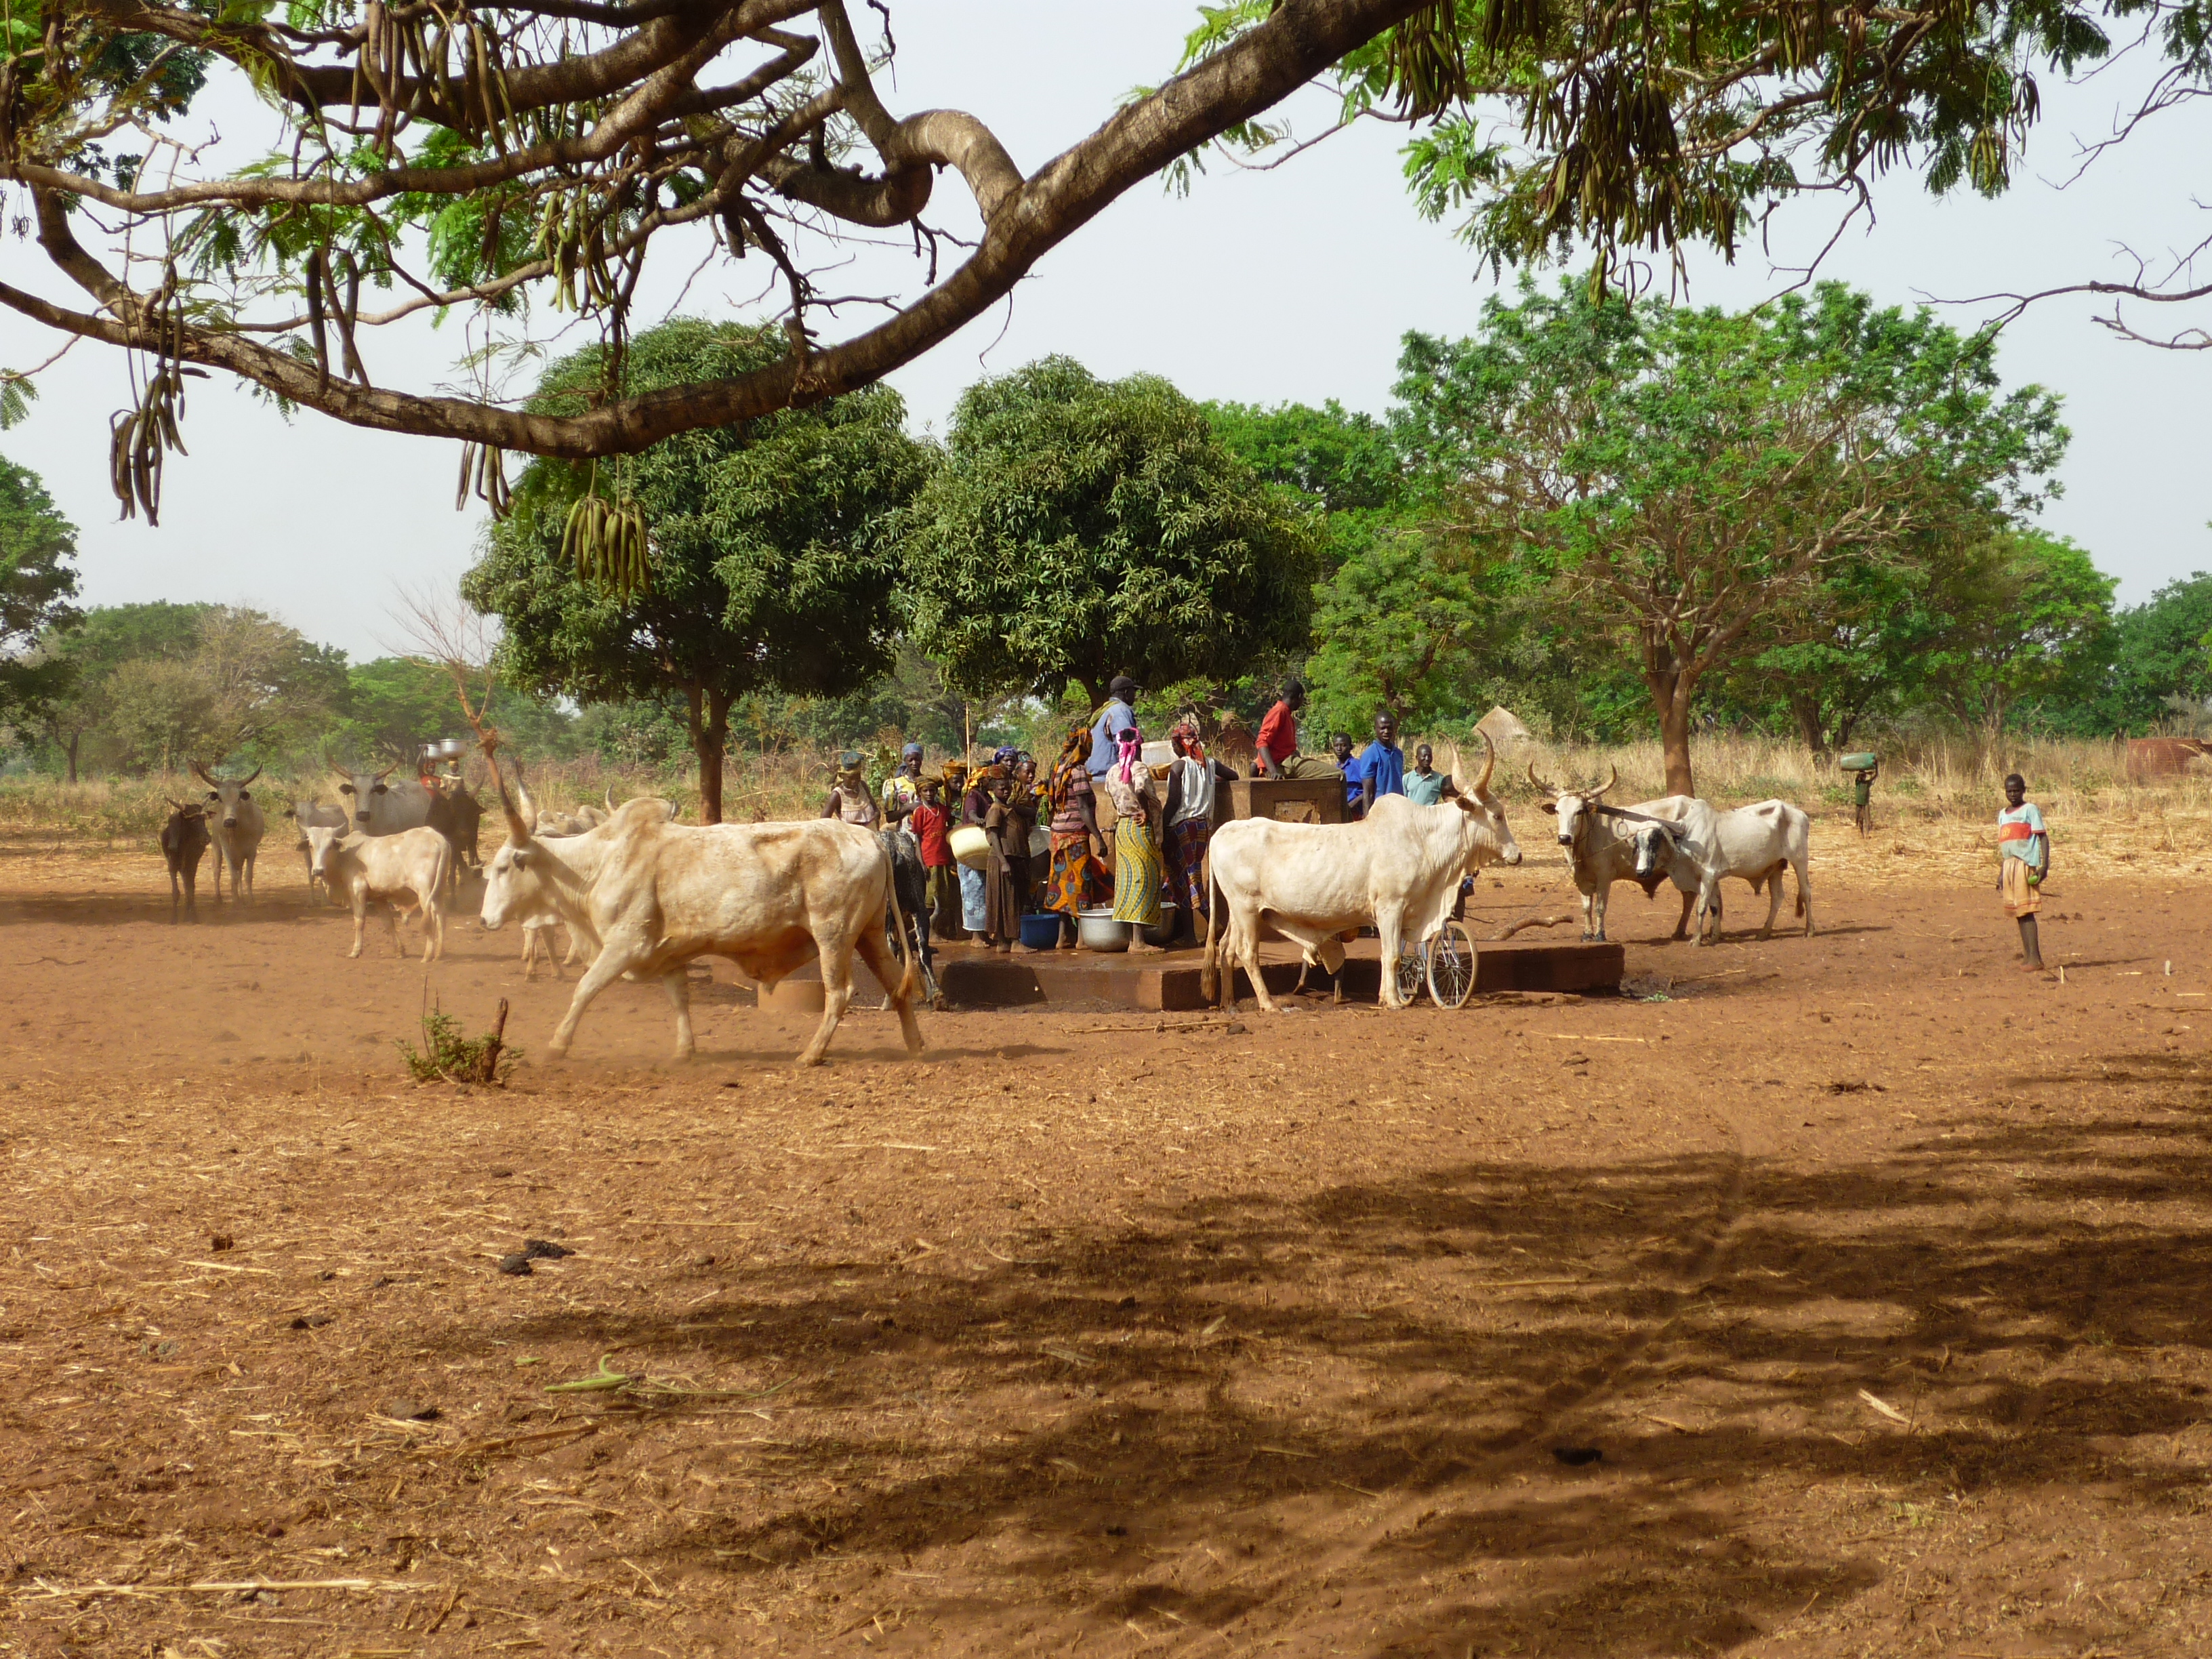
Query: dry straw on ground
[{"x": 1935, "y": 802}]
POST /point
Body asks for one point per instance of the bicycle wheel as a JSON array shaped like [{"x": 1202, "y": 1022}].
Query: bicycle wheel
[
  {"x": 1412, "y": 970},
  {"x": 1451, "y": 966}
]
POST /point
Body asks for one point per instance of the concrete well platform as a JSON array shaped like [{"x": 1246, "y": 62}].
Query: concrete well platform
[{"x": 1168, "y": 982}]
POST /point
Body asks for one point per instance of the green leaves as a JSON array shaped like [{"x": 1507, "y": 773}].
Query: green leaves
[{"x": 1080, "y": 527}]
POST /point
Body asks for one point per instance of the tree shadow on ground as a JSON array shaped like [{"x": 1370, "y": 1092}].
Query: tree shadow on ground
[{"x": 1243, "y": 1414}]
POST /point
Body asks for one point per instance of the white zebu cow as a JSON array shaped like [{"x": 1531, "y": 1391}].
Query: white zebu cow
[
  {"x": 312, "y": 814},
  {"x": 582, "y": 820},
  {"x": 769, "y": 897},
  {"x": 384, "y": 809},
  {"x": 1398, "y": 870},
  {"x": 530, "y": 904},
  {"x": 1600, "y": 844},
  {"x": 236, "y": 824},
  {"x": 406, "y": 871},
  {"x": 1755, "y": 843}
]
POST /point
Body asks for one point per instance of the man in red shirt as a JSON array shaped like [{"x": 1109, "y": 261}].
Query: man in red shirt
[
  {"x": 932, "y": 826},
  {"x": 1278, "y": 742}
]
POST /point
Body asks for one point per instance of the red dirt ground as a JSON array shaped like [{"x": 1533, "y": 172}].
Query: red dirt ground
[{"x": 1874, "y": 1269}]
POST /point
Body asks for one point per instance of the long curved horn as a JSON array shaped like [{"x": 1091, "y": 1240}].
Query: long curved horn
[
  {"x": 1599, "y": 793},
  {"x": 249, "y": 777},
  {"x": 611, "y": 798},
  {"x": 1489, "y": 762},
  {"x": 517, "y": 827},
  {"x": 522, "y": 790},
  {"x": 387, "y": 771},
  {"x": 1452, "y": 765},
  {"x": 201, "y": 772},
  {"x": 1551, "y": 789}
]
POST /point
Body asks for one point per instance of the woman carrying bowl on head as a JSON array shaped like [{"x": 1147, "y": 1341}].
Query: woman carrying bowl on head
[{"x": 1137, "y": 866}]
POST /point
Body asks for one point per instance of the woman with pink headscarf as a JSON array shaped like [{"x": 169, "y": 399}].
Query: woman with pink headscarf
[{"x": 1137, "y": 867}]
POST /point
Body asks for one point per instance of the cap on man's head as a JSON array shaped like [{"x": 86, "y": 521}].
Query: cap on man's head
[{"x": 1122, "y": 687}]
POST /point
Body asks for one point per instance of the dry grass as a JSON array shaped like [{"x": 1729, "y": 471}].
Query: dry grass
[{"x": 1934, "y": 806}]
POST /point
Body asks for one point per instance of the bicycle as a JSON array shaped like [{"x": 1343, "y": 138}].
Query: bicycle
[{"x": 1443, "y": 963}]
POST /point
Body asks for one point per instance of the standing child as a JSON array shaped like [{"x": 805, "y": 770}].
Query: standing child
[
  {"x": 933, "y": 828},
  {"x": 2023, "y": 862},
  {"x": 1863, "y": 795}
]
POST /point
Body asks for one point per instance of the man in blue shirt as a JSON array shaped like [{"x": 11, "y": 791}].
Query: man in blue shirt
[
  {"x": 1340, "y": 750},
  {"x": 1118, "y": 716},
  {"x": 1382, "y": 766}
]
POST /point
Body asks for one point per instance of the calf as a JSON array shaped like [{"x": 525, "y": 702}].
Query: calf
[
  {"x": 1752, "y": 843},
  {"x": 312, "y": 814},
  {"x": 183, "y": 839},
  {"x": 408, "y": 871}
]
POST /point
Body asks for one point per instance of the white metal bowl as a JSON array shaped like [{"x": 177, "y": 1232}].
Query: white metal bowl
[{"x": 1096, "y": 930}]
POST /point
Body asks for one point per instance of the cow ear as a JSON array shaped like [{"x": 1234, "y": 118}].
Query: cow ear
[
  {"x": 1553, "y": 807},
  {"x": 245, "y": 794},
  {"x": 377, "y": 789},
  {"x": 521, "y": 857},
  {"x": 345, "y": 789}
]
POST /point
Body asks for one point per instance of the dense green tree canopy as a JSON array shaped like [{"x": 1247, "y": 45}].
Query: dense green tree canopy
[
  {"x": 38, "y": 580},
  {"x": 1682, "y": 481},
  {"x": 1080, "y": 527},
  {"x": 771, "y": 566}
]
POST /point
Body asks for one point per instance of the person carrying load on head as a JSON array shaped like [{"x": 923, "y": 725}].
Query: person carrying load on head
[
  {"x": 1277, "y": 746},
  {"x": 1076, "y": 880},
  {"x": 2023, "y": 863},
  {"x": 849, "y": 799},
  {"x": 1863, "y": 795}
]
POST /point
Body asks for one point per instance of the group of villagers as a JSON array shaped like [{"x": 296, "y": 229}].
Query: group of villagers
[{"x": 1122, "y": 838}]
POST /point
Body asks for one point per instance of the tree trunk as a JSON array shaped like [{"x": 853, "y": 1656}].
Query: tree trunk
[
  {"x": 70, "y": 750},
  {"x": 1671, "y": 689},
  {"x": 1095, "y": 689},
  {"x": 707, "y": 713},
  {"x": 1806, "y": 710}
]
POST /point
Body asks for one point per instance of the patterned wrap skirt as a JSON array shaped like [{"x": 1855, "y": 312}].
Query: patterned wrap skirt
[
  {"x": 1074, "y": 882},
  {"x": 1187, "y": 843},
  {"x": 2022, "y": 897},
  {"x": 1136, "y": 873}
]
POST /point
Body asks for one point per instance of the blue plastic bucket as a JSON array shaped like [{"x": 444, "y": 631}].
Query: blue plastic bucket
[{"x": 1041, "y": 931}]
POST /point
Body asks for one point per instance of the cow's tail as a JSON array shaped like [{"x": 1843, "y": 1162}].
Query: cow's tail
[
  {"x": 1209, "y": 977},
  {"x": 909, "y": 986}
]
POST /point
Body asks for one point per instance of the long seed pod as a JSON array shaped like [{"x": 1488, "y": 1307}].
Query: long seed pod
[{"x": 315, "y": 321}]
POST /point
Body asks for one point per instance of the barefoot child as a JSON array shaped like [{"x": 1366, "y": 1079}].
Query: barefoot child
[{"x": 2023, "y": 860}]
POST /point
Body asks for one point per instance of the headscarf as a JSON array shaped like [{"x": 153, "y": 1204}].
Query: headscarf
[
  {"x": 1132, "y": 751},
  {"x": 1186, "y": 729},
  {"x": 1074, "y": 758},
  {"x": 1004, "y": 756}
]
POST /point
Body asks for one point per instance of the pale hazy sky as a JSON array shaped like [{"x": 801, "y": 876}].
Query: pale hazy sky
[{"x": 1294, "y": 284}]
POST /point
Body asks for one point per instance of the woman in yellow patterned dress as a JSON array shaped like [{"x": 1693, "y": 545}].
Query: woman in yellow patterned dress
[{"x": 1138, "y": 867}]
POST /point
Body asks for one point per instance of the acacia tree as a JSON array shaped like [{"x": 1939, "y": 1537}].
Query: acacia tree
[
  {"x": 772, "y": 565},
  {"x": 1078, "y": 527},
  {"x": 1684, "y": 479},
  {"x": 483, "y": 156}
]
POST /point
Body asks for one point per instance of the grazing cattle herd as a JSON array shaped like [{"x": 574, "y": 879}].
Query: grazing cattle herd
[{"x": 642, "y": 895}]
